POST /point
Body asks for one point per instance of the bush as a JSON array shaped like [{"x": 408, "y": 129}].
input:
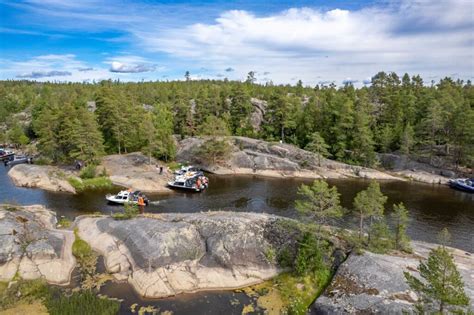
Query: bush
[
  {"x": 64, "y": 222},
  {"x": 88, "y": 172},
  {"x": 81, "y": 303},
  {"x": 130, "y": 211},
  {"x": 89, "y": 184},
  {"x": 27, "y": 291},
  {"x": 309, "y": 257},
  {"x": 86, "y": 257},
  {"x": 214, "y": 151}
]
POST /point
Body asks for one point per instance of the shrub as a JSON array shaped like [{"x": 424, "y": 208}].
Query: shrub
[
  {"x": 80, "y": 303},
  {"x": 64, "y": 222},
  {"x": 86, "y": 257},
  {"x": 130, "y": 211},
  {"x": 90, "y": 183},
  {"x": 88, "y": 172}
]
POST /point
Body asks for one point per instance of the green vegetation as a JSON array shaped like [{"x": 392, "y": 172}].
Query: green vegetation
[
  {"x": 369, "y": 204},
  {"x": 84, "y": 302},
  {"x": 64, "y": 222},
  {"x": 130, "y": 212},
  {"x": 442, "y": 287},
  {"x": 90, "y": 183},
  {"x": 393, "y": 114},
  {"x": 292, "y": 292},
  {"x": 86, "y": 257},
  {"x": 89, "y": 179},
  {"x": 400, "y": 219},
  {"x": 319, "y": 202},
  {"x": 57, "y": 301}
]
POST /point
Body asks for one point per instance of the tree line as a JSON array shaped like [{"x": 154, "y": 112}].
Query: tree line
[{"x": 344, "y": 123}]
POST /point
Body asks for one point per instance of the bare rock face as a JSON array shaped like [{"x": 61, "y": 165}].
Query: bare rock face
[
  {"x": 31, "y": 246},
  {"x": 134, "y": 171},
  {"x": 167, "y": 254},
  {"x": 260, "y": 107},
  {"x": 40, "y": 176},
  {"x": 375, "y": 284},
  {"x": 252, "y": 156}
]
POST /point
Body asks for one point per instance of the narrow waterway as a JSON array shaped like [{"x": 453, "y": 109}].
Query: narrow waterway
[{"x": 431, "y": 208}]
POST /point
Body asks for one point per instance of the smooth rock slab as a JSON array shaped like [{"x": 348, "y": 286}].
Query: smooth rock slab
[
  {"x": 375, "y": 284},
  {"x": 31, "y": 246},
  {"x": 167, "y": 254},
  {"x": 40, "y": 176}
]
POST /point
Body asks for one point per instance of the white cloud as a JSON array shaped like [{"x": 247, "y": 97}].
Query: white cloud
[
  {"x": 414, "y": 36},
  {"x": 431, "y": 38}
]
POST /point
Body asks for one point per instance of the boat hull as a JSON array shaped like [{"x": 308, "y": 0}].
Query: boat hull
[
  {"x": 173, "y": 186},
  {"x": 462, "y": 187}
]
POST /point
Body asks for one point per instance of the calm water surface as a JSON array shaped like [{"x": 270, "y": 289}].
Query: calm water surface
[{"x": 432, "y": 207}]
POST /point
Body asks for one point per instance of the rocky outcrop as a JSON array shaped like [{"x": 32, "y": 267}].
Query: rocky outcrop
[
  {"x": 167, "y": 254},
  {"x": 258, "y": 114},
  {"x": 31, "y": 247},
  {"x": 41, "y": 176},
  {"x": 402, "y": 165},
  {"x": 375, "y": 284},
  {"x": 134, "y": 171},
  {"x": 252, "y": 156}
]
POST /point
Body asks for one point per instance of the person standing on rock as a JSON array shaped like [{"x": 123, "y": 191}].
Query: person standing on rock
[{"x": 141, "y": 204}]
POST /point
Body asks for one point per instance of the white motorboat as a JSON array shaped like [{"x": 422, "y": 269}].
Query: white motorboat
[
  {"x": 186, "y": 169},
  {"x": 126, "y": 196},
  {"x": 194, "y": 181}
]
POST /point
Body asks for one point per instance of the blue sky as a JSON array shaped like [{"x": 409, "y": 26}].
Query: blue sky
[{"x": 282, "y": 41}]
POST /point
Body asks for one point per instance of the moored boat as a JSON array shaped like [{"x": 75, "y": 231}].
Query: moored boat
[
  {"x": 186, "y": 169},
  {"x": 193, "y": 181},
  {"x": 126, "y": 196},
  {"x": 20, "y": 159},
  {"x": 464, "y": 184}
]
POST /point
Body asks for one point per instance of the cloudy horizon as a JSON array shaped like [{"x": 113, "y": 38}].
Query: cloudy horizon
[{"x": 282, "y": 42}]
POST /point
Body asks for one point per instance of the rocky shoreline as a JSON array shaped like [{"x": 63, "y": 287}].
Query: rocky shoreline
[
  {"x": 257, "y": 157},
  {"x": 168, "y": 254},
  {"x": 247, "y": 157}
]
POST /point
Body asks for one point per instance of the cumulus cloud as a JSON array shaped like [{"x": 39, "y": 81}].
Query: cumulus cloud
[
  {"x": 44, "y": 74},
  {"x": 303, "y": 41},
  {"x": 311, "y": 44}
]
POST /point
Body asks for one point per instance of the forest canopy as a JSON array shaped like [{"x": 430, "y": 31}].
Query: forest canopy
[{"x": 394, "y": 114}]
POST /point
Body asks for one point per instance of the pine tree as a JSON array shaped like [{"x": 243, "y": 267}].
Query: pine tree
[
  {"x": 407, "y": 140},
  {"x": 369, "y": 204},
  {"x": 318, "y": 145},
  {"x": 320, "y": 202},
  {"x": 214, "y": 126},
  {"x": 240, "y": 110},
  {"x": 442, "y": 284},
  {"x": 400, "y": 221}
]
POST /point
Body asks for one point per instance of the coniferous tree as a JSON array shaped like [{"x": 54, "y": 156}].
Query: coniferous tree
[
  {"x": 320, "y": 202},
  {"x": 442, "y": 288},
  {"x": 318, "y": 146},
  {"x": 400, "y": 221},
  {"x": 369, "y": 204}
]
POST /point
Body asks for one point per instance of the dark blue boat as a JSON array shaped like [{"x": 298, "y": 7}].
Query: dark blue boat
[{"x": 464, "y": 184}]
